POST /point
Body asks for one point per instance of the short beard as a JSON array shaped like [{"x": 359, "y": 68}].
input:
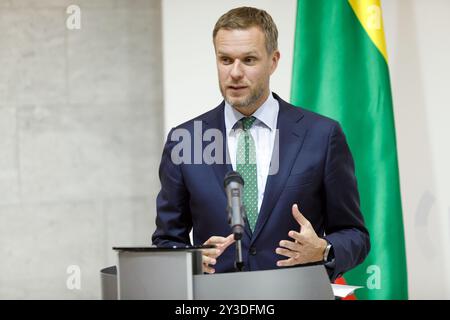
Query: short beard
[{"x": 255, "y": 95}]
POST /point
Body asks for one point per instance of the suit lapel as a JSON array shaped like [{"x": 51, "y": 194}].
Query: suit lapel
[
  {"x": 290, "y": 140},
  {"x": 216, "y": 120}
]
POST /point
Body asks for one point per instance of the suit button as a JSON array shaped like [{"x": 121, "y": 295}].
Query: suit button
[{"x": 253, "y": 251}]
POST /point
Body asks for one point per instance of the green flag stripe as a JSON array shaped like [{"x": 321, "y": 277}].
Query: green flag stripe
[{"x": 340, "y": 73}]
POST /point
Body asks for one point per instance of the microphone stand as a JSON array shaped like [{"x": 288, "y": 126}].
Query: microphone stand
[
  {"x": 234, "y": 184},
  {"x": 238, "y": 263}
]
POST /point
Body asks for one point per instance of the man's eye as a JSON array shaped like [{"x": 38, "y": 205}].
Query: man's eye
[
  {"x": 226, "y": 60},
  {"x": 249, "y": 60}
]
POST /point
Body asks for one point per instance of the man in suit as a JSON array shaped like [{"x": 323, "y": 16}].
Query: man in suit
[{"x": 300, "y": 189}]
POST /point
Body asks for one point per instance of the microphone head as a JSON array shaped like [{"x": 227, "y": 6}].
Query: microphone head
[{"x": 233, "y": 176}]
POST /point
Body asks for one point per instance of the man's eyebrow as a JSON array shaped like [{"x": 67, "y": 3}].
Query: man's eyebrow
[{"x": 250, "y": 53}]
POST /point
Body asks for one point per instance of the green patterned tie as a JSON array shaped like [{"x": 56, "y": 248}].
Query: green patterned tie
[{"x": 246, "y": 166}]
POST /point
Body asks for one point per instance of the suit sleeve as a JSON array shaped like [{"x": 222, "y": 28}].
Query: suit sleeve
[
  {"x": 173, "y": 216},
  {"x": 344, "y": 228}
]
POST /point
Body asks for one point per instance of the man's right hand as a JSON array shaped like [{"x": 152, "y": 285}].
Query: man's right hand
[{"x": 210, "y": 255}]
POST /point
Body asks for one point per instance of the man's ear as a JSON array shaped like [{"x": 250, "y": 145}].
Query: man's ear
[{"x": 275, "y": 58}]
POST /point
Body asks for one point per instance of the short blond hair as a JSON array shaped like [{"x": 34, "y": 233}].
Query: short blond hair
[{"x": 246, "y": 17}]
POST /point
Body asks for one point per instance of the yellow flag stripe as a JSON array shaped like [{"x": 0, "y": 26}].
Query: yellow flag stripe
[{"x": 369, "y": 14}]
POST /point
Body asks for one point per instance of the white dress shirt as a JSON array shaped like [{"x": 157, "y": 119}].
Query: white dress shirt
[{"x": 263, "y": 132}]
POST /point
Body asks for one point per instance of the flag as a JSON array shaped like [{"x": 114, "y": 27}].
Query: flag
[{"x": 340, "y": 70}]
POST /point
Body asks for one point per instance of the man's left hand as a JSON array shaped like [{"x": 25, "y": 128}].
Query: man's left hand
[{"x": 307, "y": 247}]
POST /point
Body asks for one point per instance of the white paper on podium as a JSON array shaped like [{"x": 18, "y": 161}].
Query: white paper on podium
[{"x": 342, "y": 291}]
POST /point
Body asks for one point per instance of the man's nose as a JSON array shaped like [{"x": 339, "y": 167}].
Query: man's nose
[{"x": 236, "y": 70}]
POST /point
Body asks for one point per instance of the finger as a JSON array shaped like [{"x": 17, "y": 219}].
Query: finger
[
  {"x": 230, "y": 237},
  {"x": 208, "y": 260},
  {"x": 286, "y": 263},
  {"x": 286, "y": 253},
  {"x": 297, "y": 236},
  {"x": 302, "y": 221},
  {"x": 215, "y": 240},
  {"x": 229, "y": 240},
  {"x": 211, "y": 252},
  {"x": 291, "y": 262},
  {"x": 208, "y": 269},
  {"x": 223, "y": 245},
  {"x": 290, "y": 245}
]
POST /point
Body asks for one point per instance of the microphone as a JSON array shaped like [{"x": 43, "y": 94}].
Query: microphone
[{"x": 234, "y": 185}]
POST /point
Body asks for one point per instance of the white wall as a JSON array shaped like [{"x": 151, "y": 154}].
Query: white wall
[
  {"x": 190, "y": 76},
  {"x": 418, "y": 47},
  {"x": 80, "y": 127}
]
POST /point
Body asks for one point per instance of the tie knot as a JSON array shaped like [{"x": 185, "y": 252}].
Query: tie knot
[{"x": 247, "y": 122}]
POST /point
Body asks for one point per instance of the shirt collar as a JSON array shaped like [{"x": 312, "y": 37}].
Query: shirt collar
[{"x": 266, "y": 114}]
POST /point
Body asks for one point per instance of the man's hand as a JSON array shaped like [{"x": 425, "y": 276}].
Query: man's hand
[
  {"x": 210, "y": 255},
  {"x": 307, "y": 247}
]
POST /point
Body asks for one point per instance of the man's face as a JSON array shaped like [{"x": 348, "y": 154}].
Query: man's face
[{"x": 244, "y": 67}]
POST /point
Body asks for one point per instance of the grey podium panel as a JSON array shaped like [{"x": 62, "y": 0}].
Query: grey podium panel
[
  {"x": 149, "y": 273},
  {"x": 155, "y": 275},
  {"x": 302, "y": 283},
  {"x": 108, "y": 278}
]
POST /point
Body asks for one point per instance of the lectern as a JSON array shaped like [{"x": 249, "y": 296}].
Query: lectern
[{"x": 176, "y": 274}]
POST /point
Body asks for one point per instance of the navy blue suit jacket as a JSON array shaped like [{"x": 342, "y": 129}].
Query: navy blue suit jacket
[{"x": 316, "y": 171}]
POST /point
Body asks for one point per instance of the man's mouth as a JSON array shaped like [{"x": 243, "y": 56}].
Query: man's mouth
[{"x": 236, "y": 88}]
